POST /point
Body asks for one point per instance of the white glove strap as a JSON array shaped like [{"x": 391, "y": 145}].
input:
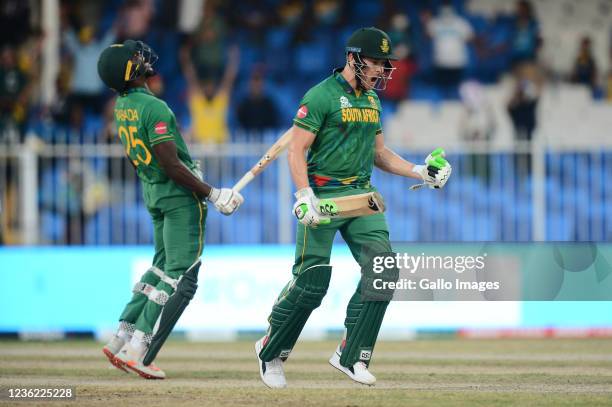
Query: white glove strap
[
  {"x": 214, "y": 195},
  {"x": 304, "y": 193},
  {"x": 419, "y": 169}
]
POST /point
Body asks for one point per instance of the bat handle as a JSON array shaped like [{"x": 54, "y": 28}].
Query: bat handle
[
  {"x": 416, "y": 186},
  {"x": 248, "y": 177}
]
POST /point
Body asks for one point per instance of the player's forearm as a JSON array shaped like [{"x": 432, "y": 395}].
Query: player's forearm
[
  {"x": 181, "y": 175},
  {"x": 298, "y": 167},
  {"x": 388, "y": 161}
]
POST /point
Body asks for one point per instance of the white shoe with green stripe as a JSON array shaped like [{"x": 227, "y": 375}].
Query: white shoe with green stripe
[
  {"x": 358, "y": 372},
  {"x": 271, "y": 372}
]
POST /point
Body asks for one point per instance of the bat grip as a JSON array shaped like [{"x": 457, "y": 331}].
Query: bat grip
[{"x": 248, "y": 177}]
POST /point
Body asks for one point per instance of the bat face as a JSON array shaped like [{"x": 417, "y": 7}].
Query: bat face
[{"x": 351, "y": 206}]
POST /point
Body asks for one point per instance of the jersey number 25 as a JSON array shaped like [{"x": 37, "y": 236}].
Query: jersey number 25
[{"x": 129, "y": 140}]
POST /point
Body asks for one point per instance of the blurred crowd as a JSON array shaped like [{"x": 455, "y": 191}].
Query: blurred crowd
[{"x": 233, "y": 68}]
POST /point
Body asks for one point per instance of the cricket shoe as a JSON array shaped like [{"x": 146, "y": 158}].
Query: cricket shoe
[
  {"x": 358, "y": 372},
  {"x": 128, "y": 360},
  {"x": 271, "y": 372},
  {"x": 111, "y": 349}
]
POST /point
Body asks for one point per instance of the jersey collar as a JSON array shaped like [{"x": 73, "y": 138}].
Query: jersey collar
[
  {"x": 138, "y": 90},
  {"x": 345, "y": 85}
]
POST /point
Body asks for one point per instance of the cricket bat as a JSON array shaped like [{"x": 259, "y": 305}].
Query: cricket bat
[
  {"x": 273, "y": 152},
  {"x": 352, "y": 205}
]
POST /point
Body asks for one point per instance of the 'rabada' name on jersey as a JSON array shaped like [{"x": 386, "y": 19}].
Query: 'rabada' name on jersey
[{"x": 126, "y": 115}]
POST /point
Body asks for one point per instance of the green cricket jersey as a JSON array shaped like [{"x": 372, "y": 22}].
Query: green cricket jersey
[
  {"x": 143, "y": 121},
  {"x": 345, "y": 123}
]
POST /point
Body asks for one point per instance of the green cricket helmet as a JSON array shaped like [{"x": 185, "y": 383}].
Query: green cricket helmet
[
  {"x": 373, "y": 43},
  {"x": 121, "y": 63}
]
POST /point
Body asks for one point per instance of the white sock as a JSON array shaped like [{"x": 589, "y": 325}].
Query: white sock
[
  {"x": 137, "y": 342},
  {"x": 124, "y": 335},
  {"x": 125, "y": 331}
]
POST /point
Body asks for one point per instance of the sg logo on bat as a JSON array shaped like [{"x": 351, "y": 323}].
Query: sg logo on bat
[{"x": 328, "y": 207}]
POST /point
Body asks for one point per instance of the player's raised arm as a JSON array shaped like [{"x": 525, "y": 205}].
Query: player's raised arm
[
  {"x": 225, "y": 199},
  {"x": 434, "y": 173}
]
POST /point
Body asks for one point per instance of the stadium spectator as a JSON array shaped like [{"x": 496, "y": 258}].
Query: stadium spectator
[
  {"x": 290, "y": 12},
  {"x": 584, "y": 71},
  {"x": 14, "y": 22},
  {"x": 400, "y": 31},
  {"x": 399, "y": 88},
  {"x": 86, "y": 89},
  {"x": 327, "y": 12},
  {"x": 609, "y": 76},
  {"x": 478, "y": 119},
  {"x": 257, "y": 111},
  {"x": 15, "y": 89},
  {"x": 252, "y": 16},
  {"x": 609, "y": 86},
  {"x": 206, "y": 47},
  {"x": 135, "y": 19},
  {"x": 209, "y": 102},
  {"x": 450, "y": 34},
  {"x": 526, "y": 40},
  {"x": 522, "y": 110},
  {"x": 477, "y": 127}
]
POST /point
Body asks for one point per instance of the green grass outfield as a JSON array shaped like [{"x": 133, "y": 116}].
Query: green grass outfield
[{"x": 536, "y": 372}]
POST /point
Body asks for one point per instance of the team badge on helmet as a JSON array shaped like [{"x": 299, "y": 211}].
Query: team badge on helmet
[
  {"x": 370, "y": 42},
  {"x": 384, "y": 46},
  {"x": 119, "y": 64}
]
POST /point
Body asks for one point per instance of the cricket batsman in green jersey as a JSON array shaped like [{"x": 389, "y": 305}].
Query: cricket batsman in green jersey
[
  {"x": 175, "y": 196},
  {"x": 338, "y": 126}
]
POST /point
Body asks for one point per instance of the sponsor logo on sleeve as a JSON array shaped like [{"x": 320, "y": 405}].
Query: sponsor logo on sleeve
[
  {"x": 161, "y": 128},
  {"x": 302, "y": 112}
]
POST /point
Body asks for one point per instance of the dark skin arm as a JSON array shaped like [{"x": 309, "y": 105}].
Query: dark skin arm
[{"x": 177, "y": 172}]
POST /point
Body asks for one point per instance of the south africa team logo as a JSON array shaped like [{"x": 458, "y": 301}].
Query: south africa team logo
[
  {"x": 372, "y": 102},
  {"x": 384, "y": 46}
]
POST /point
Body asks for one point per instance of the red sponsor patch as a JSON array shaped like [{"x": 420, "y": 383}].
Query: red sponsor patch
[
  {"x": 302, "y": 112},
  {"x": 161, "y": 128}
]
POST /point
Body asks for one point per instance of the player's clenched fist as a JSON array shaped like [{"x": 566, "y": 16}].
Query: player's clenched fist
[
  {"x": 226, "y": 200},
  {"x": 436, "y": 170},
  {"x": 305, "y": 210}
]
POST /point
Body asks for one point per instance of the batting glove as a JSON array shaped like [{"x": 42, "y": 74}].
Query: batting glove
[
  {"x": 436, "y": 171},
  {"x": 305, "y": 211},
  {"x": 226, "y": 200}
]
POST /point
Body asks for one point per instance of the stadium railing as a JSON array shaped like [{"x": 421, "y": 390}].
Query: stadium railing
[{"x": 60, "y": 194}]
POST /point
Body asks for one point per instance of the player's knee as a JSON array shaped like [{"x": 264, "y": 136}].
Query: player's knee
[
  {"x": 311, "y": 286},
  {"x": 377, "y": 277}
]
